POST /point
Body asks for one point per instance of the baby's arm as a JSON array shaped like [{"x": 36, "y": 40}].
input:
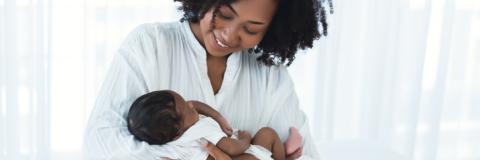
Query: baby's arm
[
  {"x": 235, "y": 147},
  {"x": 208, "y": 111},
  {"x": 230, "y": 146}
]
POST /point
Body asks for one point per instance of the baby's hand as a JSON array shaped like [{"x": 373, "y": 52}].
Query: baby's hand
[
  {"x": 244, "y": 136},
  {"x": 225, "y": 126}
]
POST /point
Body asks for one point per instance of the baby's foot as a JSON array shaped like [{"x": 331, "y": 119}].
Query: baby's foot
[{"x": 294, "y": 141}]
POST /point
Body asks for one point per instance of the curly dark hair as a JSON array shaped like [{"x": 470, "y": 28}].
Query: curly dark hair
[
  {"x": 153, "y": 118},
  {"x": 294, "y": 26}
]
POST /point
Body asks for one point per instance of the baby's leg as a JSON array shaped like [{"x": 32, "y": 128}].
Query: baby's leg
[
  {"x": 268, "y": 138},
  {"x": 245, "y": 156}
]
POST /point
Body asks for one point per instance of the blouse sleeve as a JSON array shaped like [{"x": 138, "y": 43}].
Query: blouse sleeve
[
  {"x": 107, "y": 136},
  {"x": 286, "y": 112}
]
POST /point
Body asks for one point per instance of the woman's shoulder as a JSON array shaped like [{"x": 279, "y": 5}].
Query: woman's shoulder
[
  {"x": 146, "y": 40},
  {"x": 155, "y": 31}
]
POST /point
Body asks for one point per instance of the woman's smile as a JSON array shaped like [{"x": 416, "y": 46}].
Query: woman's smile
[
  {"x": 220, "y": 43},
  {"x": 219, "y": 46}
]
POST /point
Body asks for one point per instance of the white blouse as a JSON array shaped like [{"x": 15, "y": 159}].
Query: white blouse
[{"x": 162, "y": 56}]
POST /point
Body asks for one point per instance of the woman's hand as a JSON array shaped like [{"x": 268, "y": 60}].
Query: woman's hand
[
  {"x": 215, "y": 152},
  {"x": 295, "y": 155}
]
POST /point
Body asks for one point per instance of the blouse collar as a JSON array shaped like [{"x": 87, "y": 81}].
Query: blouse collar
[{"x": 197, "y": 47}]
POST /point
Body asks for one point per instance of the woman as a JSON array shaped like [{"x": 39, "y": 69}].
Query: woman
[{"x": 228, "y": 54}]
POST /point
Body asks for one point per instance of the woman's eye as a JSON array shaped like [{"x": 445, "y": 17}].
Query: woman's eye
[
  {"x": 221, "y": 15},
  {"x": 249, "y": 32}
]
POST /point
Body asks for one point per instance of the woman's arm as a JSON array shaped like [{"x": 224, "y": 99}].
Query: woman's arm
[{"x": 107, "y": 136}]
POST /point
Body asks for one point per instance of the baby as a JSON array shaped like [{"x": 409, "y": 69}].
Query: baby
[{"x": 165, "y": 118}]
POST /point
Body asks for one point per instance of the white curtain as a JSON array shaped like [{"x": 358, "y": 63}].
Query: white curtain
[
  {"x": 395, "y": 79},
  {"x": 54, "y": 55}
]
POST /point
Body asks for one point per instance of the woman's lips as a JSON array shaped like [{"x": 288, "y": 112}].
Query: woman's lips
[{"x": 219, "y": 43}]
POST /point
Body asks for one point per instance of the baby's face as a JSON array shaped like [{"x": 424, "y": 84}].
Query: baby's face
[{"x": 186, "y": 111}]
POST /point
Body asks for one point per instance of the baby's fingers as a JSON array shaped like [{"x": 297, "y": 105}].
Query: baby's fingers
[{"x": 228, "y": 131}]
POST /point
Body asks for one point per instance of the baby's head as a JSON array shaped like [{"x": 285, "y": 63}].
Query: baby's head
[{"x": 160, "y": 117}]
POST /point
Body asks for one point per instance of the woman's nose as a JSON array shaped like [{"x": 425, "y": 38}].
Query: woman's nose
[{"x": 230, "y": 35}]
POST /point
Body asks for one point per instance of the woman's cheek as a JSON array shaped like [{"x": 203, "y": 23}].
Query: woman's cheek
[{"x": 252, "y": 42}]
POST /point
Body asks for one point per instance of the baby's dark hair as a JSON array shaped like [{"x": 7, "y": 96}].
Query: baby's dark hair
[
  {"x": 153, "y": 118},
  {"x": 294, "y": 26}
]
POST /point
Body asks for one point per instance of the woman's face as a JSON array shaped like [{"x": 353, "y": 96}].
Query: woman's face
[{"x": 237, "y": 26}]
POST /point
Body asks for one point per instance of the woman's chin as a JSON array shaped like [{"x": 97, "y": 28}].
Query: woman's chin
[{"x": 218, "y": 54}]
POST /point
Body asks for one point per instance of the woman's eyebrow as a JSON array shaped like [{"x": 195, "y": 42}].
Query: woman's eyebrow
[
  {"x": 250, "y": 21},
  {"x": 233, "y": 10}
]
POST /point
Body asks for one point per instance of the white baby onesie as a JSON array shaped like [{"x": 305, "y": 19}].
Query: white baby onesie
[{"x": 189, "y": 145}]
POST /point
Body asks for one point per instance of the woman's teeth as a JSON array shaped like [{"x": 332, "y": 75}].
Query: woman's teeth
[{"x": 221, "y": 44}]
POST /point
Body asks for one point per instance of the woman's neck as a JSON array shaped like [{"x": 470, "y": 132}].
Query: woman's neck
[
  {"x": 216, "y": 67},
  {"x": 214, "y": 59}
]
